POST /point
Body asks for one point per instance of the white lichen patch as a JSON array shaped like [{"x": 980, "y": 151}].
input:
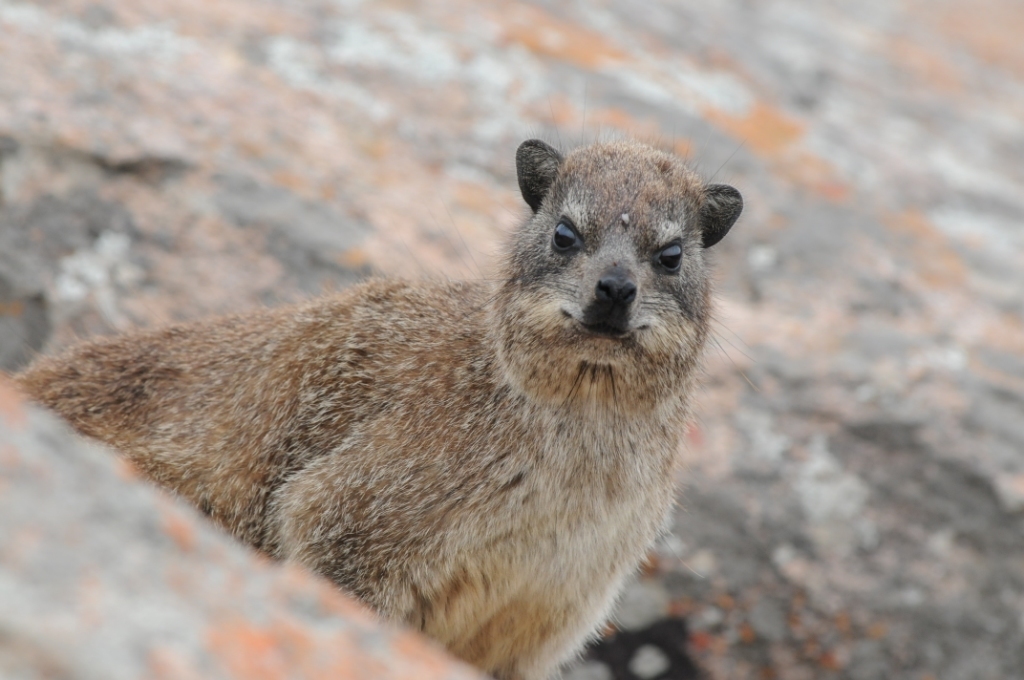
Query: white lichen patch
[
  {"x": 833, "y": 501},
  {"x": 95, "y": 273}
]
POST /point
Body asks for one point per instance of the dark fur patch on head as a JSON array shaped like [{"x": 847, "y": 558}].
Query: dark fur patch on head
[
  {"x": 537, "y": 166},
  {"x": 722, "y": 207}
]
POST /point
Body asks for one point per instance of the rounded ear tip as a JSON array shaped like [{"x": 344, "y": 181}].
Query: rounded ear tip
[
  {"x": 725, "y": 190},
  {"x": 537, "y": 166},
  {"x": 536, "y": 145},
  {"x": 725, "y": 198},
  {"x": 721, "y": 210}
]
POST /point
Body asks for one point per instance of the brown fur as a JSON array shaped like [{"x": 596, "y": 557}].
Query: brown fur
[{"x": 464, "y": 457}]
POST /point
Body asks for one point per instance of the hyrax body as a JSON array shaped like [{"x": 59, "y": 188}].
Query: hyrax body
[{"x": 485, "y": 462}]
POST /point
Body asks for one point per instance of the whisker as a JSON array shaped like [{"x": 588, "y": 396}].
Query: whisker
[
  {"x": 726, "y": 161},
  {"x": 458, "y": 232},
  {"x": 734, "y": 364},
  {"x": 486, "y": 303},
  {"x": 575, "y": 385},
  {"x": 419, "y": 265},
  {"x": 718, "y": 322}
]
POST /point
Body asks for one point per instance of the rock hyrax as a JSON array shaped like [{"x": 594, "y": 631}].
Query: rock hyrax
[{"x": 485, "y": 462}]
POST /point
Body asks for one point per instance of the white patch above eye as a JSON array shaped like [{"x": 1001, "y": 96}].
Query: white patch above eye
[
  {"x": 668, "y": 231},
  {"x": 625, "y": 219},
  {"x": 575, "y": 208}
]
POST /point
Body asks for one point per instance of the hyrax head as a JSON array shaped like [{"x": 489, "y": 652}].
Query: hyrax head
[{"x": 610, "y": 270}]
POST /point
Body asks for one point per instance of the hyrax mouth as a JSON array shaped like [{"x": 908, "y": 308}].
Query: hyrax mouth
[{"x": 605, "y": 330}]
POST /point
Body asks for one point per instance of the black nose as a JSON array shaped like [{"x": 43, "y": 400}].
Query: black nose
[{"x": 616, "y": 288}]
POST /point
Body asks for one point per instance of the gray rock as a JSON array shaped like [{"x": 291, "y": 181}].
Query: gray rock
[
  {"x": 1009, "y": 490},
  {"x": 1004, "y": 362},
  {"x": 52, "y": 226},
  {"x": 766, "y": 446},
  {"x": 49, "y": 261},
  {"x": 707, "y": 618},
  {"x": 588, "y": 670},
  {"x": 871, "y": 290},
  {"x": 888, "y": 433},
  {"x": 642, "y": 603},
  {"x": 648, "y": 662},
  {"x": 868, "y": 662},
  {"x": 104, "y": 577},
  {"x": 1000, "y": 413},
  {"x": 24, "y": 319},
  {"x": 768, "y": 619},
  {"x": 310, "y": 238},
  {"x": 831, "y": 497}
]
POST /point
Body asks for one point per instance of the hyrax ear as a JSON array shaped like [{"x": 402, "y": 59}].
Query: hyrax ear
[
  {"x": 722, "y": 206},
  {"x": 537, "y": 165}
]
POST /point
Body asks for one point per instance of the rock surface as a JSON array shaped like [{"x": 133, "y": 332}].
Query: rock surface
[
  {"x": 103, "y": 576},
  {"x": 853, "y": 502}
]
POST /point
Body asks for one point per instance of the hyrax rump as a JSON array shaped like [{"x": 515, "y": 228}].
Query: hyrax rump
[{"x": 485, "y": 462}]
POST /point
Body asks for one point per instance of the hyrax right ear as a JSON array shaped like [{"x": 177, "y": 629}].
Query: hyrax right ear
[
  {"x": 537, "y": 165},
  {"x": 722, "y": 207}
]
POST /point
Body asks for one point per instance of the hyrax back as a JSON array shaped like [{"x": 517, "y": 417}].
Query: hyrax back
[{"x": 484, "y": 462}]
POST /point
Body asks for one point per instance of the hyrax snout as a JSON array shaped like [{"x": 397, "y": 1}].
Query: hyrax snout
[
  {"x": 609, "y": 310},
  {"x": 486, "y": 462}
]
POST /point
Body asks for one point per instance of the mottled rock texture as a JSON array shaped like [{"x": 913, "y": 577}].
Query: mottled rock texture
[
  {"x": 854, "y": 505},
  {"x": 102, "y": 576}
]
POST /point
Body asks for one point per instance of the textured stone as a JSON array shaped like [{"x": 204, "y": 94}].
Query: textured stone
[
  {"x": 255, "y": 152},
  {"x": 660, "y": 650},
  {"x": 1010, "y": 491},
  {"x": 588, "y": 670},
  {"x": 827, "y": 492},
  {"x": 641, "y": 604},
  {"x": 24, "y": 321},
  {"x": 768, "y": 619},
  {"x": 103, "y": 576},
  {"x": 648, "y": 662}
]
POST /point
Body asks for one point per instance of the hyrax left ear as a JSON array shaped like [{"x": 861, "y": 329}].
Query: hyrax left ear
[
  {"x": 722, "y": 206},
  {"x": 537, "y": 165}
]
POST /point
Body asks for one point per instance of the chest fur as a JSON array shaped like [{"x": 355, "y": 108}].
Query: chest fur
[
  {"x": 557, "y": 547},
  {"x": 601, "y": 499}
]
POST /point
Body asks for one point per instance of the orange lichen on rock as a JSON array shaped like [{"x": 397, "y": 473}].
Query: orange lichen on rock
[
  {"x": 764, "y": 128},
  {"x": 776, "y": 136},
  {"x": 815, "y": 173},
  {"x": 11, "y": 407},
  {"x": 225, "y": 612},
  {"x": 248, "y": 651},
  {"x": 548, "y": 36},
  {"x": 181, "y": 530},
  {"x": 933, "y": 256},
  {"x": 925, "y": 65},
  {"x": 992, "y": 29}
]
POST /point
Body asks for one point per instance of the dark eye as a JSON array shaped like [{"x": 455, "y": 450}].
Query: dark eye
[
  {"x": 670, "y": 257},
  {"x": 565, "y": 236}
]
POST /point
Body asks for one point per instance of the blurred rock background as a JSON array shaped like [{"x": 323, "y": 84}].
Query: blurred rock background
[{"x": 854, "y": 500}]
